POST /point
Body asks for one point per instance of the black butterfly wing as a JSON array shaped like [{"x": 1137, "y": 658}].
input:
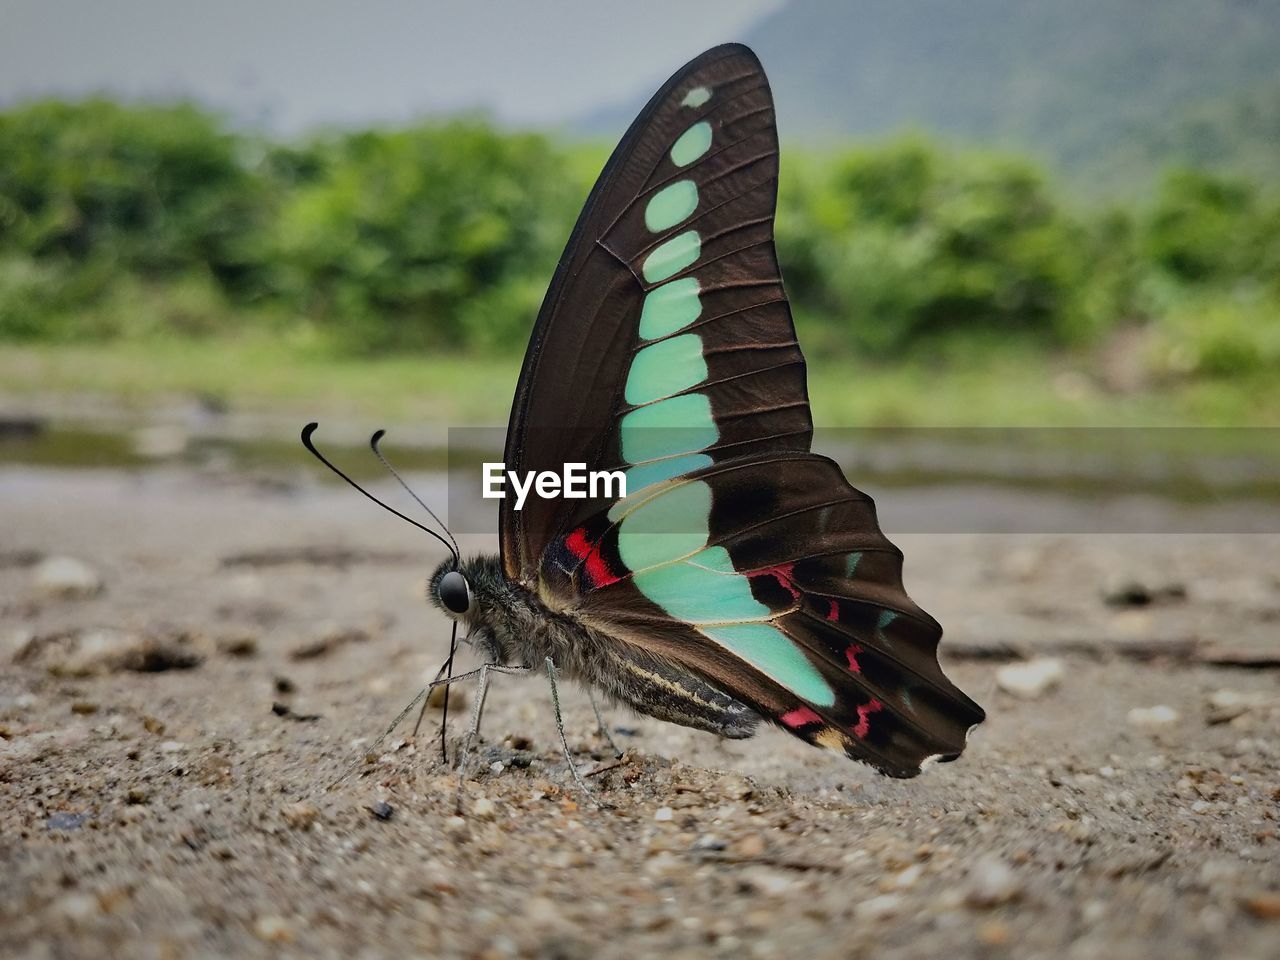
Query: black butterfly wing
[
  {"x": 768, "y": 576},
  {"x": 665, "y": 348},
  {"x": 665, "y": 328}
]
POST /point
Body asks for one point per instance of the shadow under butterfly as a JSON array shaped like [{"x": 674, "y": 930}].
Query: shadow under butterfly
[{"x": 742, "y": 579}]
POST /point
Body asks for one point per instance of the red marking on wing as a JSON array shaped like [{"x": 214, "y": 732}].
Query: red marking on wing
[
  {"x": 834, "y": 613},
  {"x": 851, "y": 654},
  {"x": 599, "y": 572},
  {"x": 800, "y": 717},
  {"x": 781, "y": 573},
  {"x": 578, "y": 543},
  {"x": 597, "y": 567},
  {"x": 863, "y": 726}
]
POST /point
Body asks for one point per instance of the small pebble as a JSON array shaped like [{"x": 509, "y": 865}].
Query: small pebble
[
  {"x": 1126, "y": 591},
  {"x": 457, "y": 698},
  {"x": 991, "y": 883},
  {"x": 994, "y": 934},
  {"x": 1031, "y": 679},
  {"x": 238, "y": 646},
  {"x": 1152, "y": 717},
  {"x": 382, "y": 810},
  {"x": 772, "y": 882},
  {"x": 273, "y": 929},
  {"x": 663, "y": 814},
  {"x": 483, "y": 808},
  {"x": 66, "y": 821},
  {"x": 709, "y": 842},
  {"x": 735, "y": 787},
  {"x": 906, "y": 879},
  {"x": 879, "y": 908},
  {"x": 79, "y": 906},
  {"x": 1227, "y": 705},
  {"x": 66, "y": 577},
  {"x": 1264, "y": 906},
  {"x": 1093, "y": 911},
  {"x": 327, "y": 642},
  {"x": 301, "y": 815}
]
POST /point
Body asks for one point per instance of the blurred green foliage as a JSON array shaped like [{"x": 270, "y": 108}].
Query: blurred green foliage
[
  {"x": 135, "y": 221},
  {"x": 442, "y": 234},
  {"x": 902, "y": 243}
]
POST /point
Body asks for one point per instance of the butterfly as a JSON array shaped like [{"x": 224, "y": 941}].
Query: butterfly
[{"x": 741, "y": 581}]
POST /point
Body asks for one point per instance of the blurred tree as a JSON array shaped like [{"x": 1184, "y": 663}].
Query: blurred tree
[
  {"x": 441, "y": 234},
  {"x": 903, "y": 242},
  {"x": 129, "y": 221},
  {"x": 153, "y": 189},
  {"x": 1207, "y": 228}
]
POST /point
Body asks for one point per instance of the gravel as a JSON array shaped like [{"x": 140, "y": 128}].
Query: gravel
[{"x": 182, "y": 817}]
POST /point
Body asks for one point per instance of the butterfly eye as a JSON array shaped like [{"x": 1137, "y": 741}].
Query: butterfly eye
[{"x": 454, "y": 592}]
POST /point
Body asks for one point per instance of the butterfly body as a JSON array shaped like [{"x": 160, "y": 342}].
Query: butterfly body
[
  {"x": 509, "y": 625},
  {"x": 741, "y": 579}
]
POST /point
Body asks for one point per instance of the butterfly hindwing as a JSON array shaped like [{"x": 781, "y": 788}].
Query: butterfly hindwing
[{"x": 794, "y": 605}]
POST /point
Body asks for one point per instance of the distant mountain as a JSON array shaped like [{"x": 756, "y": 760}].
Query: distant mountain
[{"x": 1103, "y": 89}]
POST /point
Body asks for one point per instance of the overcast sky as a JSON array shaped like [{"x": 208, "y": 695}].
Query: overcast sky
[{"x": 291, "y": 65}]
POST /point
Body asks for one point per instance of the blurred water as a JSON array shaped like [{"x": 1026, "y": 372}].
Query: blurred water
[{"x": 924, "y": 481}]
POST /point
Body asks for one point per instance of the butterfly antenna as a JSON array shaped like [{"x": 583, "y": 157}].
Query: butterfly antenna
[
  {"x": 445, "y": 671},
  {"x": 373, "y": 445},
  {"x": 444, "y": 715},
  {"x": 309, "y": 429}
]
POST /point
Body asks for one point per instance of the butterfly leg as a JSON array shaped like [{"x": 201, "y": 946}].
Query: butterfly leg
[
  {"x": 564, "y": 741},
  {"x": 602, "y": 728},
  {"x": 477, "y": 709},
  {"x": 439, "y": 673}
]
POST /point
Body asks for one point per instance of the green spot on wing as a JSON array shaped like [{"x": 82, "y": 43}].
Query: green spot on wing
[
  {"x": 666, "y": 528},
  {"x": 669, "y": 427},
  {"x": 692, "y": 144},
  {"x": 656, "y": 471},
  {"x": 671, "y": 205},
  {"x": 851, "y": 563},
  {"x": 670, "y": 307},
  {"x": 696, "y": 97},
  {"x": 771, "y": 652},
  {"x": 698, "y": 590},
  {"x": 715, "y": 558},
  {"x": 666, "y": 368},
  {"x": 669, "y": 258}
]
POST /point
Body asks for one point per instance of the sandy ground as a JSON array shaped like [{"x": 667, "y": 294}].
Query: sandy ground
[{"x": 166, "y": 742}]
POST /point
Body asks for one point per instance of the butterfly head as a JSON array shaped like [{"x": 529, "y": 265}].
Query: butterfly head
[{"x": 474, "y": 592}]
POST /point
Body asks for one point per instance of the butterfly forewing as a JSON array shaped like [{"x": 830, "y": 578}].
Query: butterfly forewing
[{"x": 672, "y": 340}]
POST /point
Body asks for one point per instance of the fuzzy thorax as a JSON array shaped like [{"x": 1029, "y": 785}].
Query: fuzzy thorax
[{"x": 509, "y": 625}]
